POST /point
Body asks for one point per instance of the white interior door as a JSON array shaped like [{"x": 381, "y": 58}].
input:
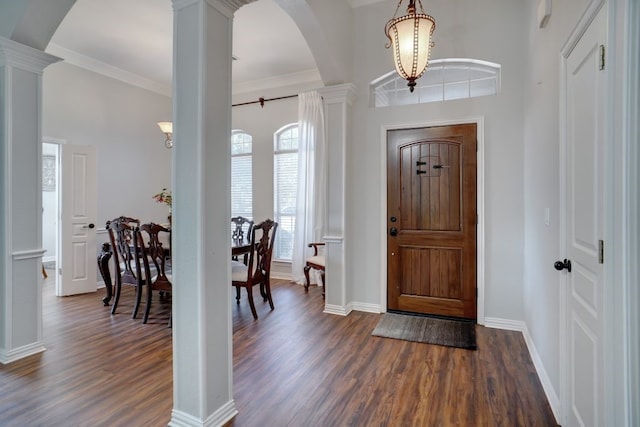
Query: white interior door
[
  {"x": 583, "y": 396},
  {"x": 78, "y": 211}
]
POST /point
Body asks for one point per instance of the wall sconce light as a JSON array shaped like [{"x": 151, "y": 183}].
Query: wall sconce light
[
  {"x": 167, "y": 129},
  {"x": 410, "y": 36}
]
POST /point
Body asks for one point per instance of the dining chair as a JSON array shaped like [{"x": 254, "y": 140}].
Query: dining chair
[
  {"x": 121, "y": 234},
  {"x": 240, "y": 229},
  {"x": 239, "y": 224},
  {"x": 258, "y": 269},
  {"x": 317, "y": 262},
  {"x": 154, "y": 261}
]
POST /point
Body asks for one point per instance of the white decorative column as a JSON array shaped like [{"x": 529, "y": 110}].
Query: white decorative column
[
  {"x": 337, "y": 105},
  {"x": 21, "y": 250},
  {"x": 202, "y": 332}
]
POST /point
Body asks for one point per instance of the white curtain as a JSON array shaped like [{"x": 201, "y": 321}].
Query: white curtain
[{"x": 312, "y": 170}]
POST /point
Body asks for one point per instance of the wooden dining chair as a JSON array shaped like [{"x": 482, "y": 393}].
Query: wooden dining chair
[
  {"x": 258, "y": 269},
  {"x": 153, "y": 262},
  {"x": 317, "y": 262},
  {"x": 121, "y": 234},
  {"x": 241, "y": 228}
]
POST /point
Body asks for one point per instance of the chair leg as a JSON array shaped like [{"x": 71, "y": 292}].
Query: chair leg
[
  {"x": 116, "y": 299},
  {"x": 237, "y": 294},
  {"x": 324, "y": 284},
  {"x": 306, "y": 276},
  {"x": 147, "y": 309},
  {"x": 263, "y": 293},
  {"x": 138, "y": 300},
  {"x": 251, "y": 304},
  {"x": 267, "y": 291}
]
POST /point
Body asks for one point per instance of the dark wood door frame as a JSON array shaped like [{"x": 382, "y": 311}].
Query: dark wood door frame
[{"x": 480, "y": 264}]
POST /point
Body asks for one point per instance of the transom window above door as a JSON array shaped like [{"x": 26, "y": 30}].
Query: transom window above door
[{"x": 445, "y": 79}]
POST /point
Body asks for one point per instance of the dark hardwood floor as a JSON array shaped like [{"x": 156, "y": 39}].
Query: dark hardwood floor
[{"x": 295, "y": 366}]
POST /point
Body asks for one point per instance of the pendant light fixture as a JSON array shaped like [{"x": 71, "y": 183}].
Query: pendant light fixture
[{"x": 410, "y": 38}]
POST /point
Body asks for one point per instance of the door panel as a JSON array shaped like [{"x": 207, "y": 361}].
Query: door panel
[
  {"x": 431, "y": 199},
  {"x": 78, "y": 211},
  {"x": 584, "y": 348}
]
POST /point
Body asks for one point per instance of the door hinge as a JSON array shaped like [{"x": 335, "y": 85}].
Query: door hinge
[
  {"x": 601, "y": 251},
  {"x": 602, "y": 57},
  {"x": 60, "y": 271}
]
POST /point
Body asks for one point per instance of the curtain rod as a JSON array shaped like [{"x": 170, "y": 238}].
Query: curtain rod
[{"x": 261, "y": 100}]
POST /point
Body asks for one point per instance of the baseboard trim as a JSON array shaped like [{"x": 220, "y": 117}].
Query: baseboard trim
[
  {"x": 220, "y": 417},
  {"x": 337, "y": 309},
  {"x": 366, "y": 307},
  {"x": 21, "y": 352}
]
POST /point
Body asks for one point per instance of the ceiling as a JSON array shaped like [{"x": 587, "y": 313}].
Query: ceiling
[{"x": 132, "y": 41}]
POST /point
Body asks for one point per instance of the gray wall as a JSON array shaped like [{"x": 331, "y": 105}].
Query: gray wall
[
  {"x": 261, "y": 123},
  {"x": 84, "y": 108},
  {"x": 470, "y": 30},
  {"x": 541, "y": 177}
]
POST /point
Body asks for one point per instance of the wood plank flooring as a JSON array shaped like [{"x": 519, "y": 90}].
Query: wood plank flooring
[{"x": 295, "y": 366}]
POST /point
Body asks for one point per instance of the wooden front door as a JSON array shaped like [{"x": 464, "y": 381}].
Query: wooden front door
[{"x": 431, "y": 220}]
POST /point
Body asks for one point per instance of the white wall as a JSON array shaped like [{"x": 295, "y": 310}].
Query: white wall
[
  {"x": 464, "y": 29},
  {"x": 85, "y": 108}
]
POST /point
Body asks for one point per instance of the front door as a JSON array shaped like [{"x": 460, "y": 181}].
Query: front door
[
  {"x": 431, "y": 220},
  {"x": 584, "y": 348},
  {"x": 78, "y": 211}
]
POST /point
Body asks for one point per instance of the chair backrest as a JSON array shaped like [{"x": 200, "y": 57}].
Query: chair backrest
[
  {"x": 121, "y": 234},
  {"x": 239, "y": 224},
  {"x": 153, "y": 249},
  {"x": 262, "y": 238}
]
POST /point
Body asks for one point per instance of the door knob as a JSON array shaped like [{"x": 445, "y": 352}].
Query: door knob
[
  {"x": 393, "y": 231},
  {"x": 561, "y": 265},
  {"x": 88, "y": 226}
]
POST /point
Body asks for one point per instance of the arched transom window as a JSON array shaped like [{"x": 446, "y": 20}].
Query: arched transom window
[{"x": 445, "y": 79}]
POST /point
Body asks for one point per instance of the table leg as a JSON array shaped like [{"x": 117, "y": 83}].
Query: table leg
[{"x": 103, "y": 266}]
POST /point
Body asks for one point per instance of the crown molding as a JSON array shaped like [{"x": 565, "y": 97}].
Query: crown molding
[
  {"x": 302, "y": 77},
  {"x": 25, "y": 57},
  {"x": 358, "y": 3},
  {"x": 88, "y": 63}
]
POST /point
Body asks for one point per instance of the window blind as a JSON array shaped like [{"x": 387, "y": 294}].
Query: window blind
[{"x": 285, "y": 175}]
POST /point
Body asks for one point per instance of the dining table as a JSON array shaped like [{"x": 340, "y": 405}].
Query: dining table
[{"x": 238, "y": 247}]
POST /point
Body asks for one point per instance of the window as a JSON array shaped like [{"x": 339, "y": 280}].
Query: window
[
  {"x": 285, "y": 189},
  {"x": 444, "y": 79},
  {"x": 241, "y": 181}
]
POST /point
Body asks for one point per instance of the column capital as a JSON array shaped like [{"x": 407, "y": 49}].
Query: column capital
[
  {"x": 338, "y": 93},
  {"x": 228, "y": 7},
  {"x": 24, "y": 57}
]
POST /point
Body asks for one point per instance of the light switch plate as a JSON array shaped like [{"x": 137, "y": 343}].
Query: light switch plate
[{"x": 547, "y": 216}]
